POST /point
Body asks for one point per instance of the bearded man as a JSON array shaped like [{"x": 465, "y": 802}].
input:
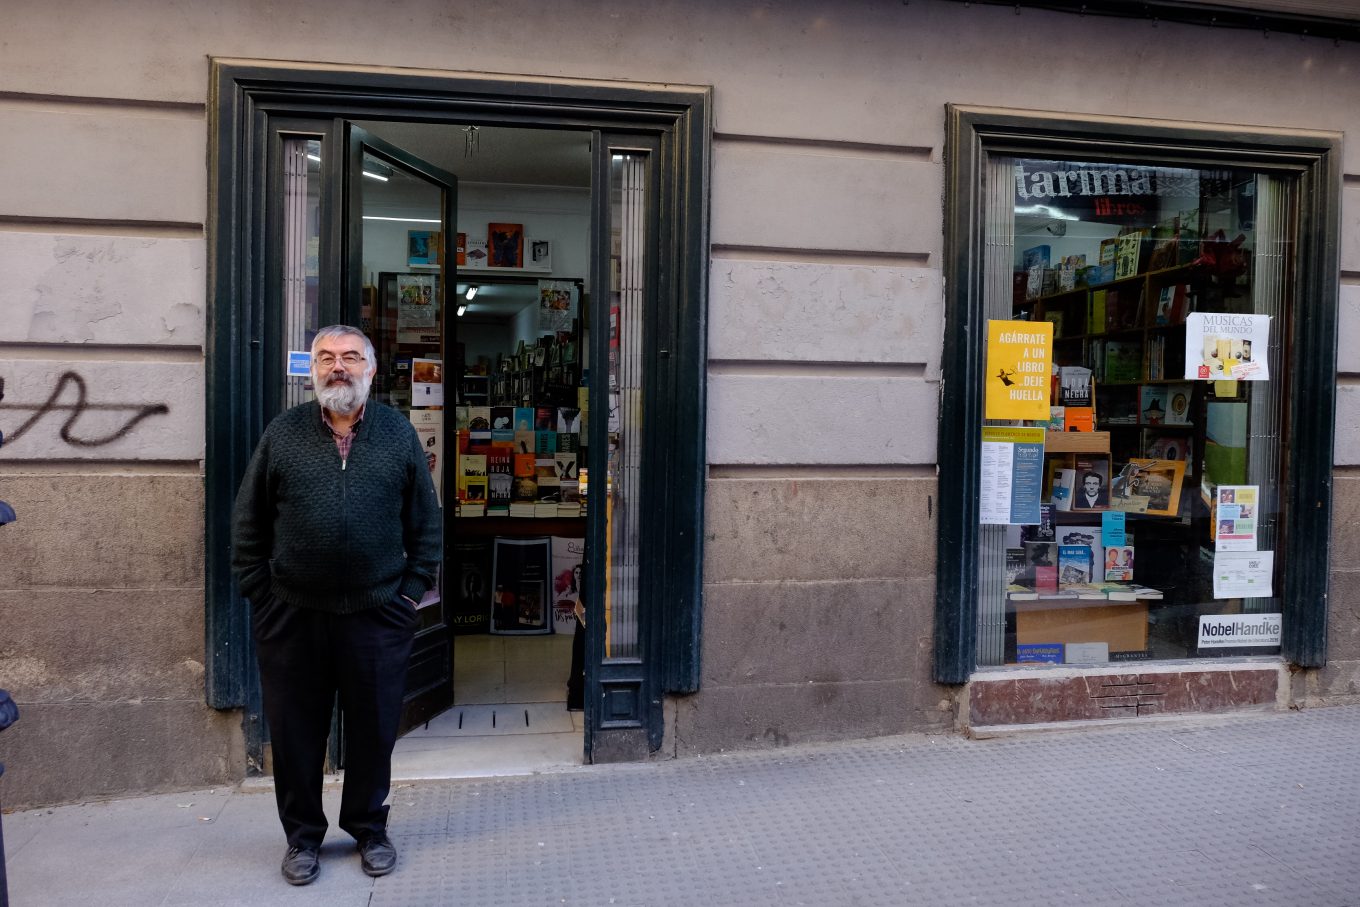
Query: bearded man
[{"x": 335, "y": 539}]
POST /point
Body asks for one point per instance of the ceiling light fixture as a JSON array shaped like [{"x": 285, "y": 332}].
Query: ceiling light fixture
[
  {"x": 375, "y": 176},
  {"x": 462, "y": 307},
  {"x": 313, "y": 157},
  {"x": 471, "y": 292},
  {"x": 405, "y": 220}
]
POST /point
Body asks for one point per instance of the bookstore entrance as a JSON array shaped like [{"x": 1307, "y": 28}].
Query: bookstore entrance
[
  {"x": 526, "y": 260},
  {"x": 472, "y": 244}
]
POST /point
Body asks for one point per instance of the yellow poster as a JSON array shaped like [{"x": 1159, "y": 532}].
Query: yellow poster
[{"x": 1019, "y": 365}]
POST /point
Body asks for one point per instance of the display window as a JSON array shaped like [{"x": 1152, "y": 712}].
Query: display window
[
  {"x": 1145, "y": 341},
  {"x": 1139, "y": 381}
]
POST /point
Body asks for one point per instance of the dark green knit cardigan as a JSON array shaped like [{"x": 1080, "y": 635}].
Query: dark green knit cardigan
[{"x": 331, "y": 535}]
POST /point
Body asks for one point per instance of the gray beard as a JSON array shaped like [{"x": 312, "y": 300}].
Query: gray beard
[{"x": 343, "y": 398}]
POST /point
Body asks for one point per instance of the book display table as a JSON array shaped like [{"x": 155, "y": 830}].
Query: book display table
[{"x": 1113, "y": 613}]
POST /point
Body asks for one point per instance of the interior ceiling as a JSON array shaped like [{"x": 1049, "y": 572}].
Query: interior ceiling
[{"x": 532, "y": 157}]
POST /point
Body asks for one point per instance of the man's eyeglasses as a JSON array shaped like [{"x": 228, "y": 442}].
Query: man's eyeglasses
[{"x": 349, "y": 360}]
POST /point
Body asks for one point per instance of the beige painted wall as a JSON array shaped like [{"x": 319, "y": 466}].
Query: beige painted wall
[{"x": 825, "y": 286}]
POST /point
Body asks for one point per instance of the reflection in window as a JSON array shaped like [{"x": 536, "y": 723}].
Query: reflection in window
[
  {"x": 623, "y": 493},
  {"x": 301, "y": 253},
  {"x": 1168, "y": 290}
]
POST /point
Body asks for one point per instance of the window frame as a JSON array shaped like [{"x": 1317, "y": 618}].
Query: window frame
[{"x": 1313, "y": 157}]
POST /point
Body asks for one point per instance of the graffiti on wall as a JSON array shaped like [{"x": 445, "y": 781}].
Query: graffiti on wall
[{"x": 136, "y": 413}]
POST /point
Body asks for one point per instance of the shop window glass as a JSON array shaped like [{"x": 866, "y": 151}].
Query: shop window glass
[
  {"x": 1149, "y": 524},
  {"x": 301, "y": 256},
  {"x": 627, "y": 295}
]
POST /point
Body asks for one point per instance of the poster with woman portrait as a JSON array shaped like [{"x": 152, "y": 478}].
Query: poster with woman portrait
[{"x": 568, "y": 555}]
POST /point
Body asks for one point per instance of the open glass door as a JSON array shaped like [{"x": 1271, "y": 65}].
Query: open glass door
[{"x": 399, "y": 222}]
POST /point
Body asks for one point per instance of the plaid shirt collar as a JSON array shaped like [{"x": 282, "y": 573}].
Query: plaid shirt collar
[{"x": 343, "y": 442}]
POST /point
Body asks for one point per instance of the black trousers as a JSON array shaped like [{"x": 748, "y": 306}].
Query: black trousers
[{"x": 306, "y": 657}]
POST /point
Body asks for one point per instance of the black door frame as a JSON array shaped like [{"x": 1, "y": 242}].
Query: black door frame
[{"x": 248, "y": 104}]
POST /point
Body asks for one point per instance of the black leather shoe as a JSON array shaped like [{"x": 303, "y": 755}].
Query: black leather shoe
[
  {"x": 301, "y": 865},
  {"x": 378, "y": 854}
]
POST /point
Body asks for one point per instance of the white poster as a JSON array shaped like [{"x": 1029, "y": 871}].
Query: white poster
[
  {"x": 427, "y": 382},
  {"x": 416, "y": 303},
  {"x": 557, "y": 305},
  {"x": 1231, "y": 631},
  {"x": 567, "y": 557},
  {"x": 1243, "y": 574},
  {"x": 1221, "y": 346},
  {"x": 997, "y": 461},
  {"x": 430, "y": 431}
]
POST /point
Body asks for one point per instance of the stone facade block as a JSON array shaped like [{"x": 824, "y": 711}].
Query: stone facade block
[
  {"x": 782, "y": 197},
  {"x": 764, "y": 715},
  {"x": 64, "y": 752},
  {"x": 103, "y": 531},
  {"x": 819, "y": 529},
  {"x": 1071, "y": 695},
  {"x": 823, "y": 632},
  {"x": 111, "y": 163},
  {"x": 1336, "y": 684},
  {"x": 79, "y": 288},
  {"x": 773, "y": 419},
  {"x": 1347, "y": 425},
  {"x": 766, "y": 310},
  {"x": 1348, "y": 326},
  {"x": 1350, "y": 230},
  {"x": 1343, "y": 615},
  {"x": 1345, "y": 517},
  {"x": 102, "y": 645},
  {"x": 102, "y": 410}
]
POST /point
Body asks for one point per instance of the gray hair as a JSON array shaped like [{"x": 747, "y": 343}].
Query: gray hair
[{"x": 344, "y": 330}]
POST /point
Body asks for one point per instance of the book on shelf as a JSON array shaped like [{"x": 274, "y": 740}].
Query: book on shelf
[
  {"x": 1095, "y": 312},
  {"x": 1057, "y": 418},
  {"x": 1074, "y": 564},
  {"x": 1123, "y": 307},
  {"x": 1074, "y": 386},
  {"x": 1060, "y": 492},
  {"x": 1127, "y": 253},
  {"x": 545, "y": 509},
  {"x": 1170, "y": 305},
  {"x": 1118, "y": 405},
  {"x": 1178, "y": 397},
  {"x": 1056, "y": 319},
  {"x": 1118, "y": 563},
  {"x": 1068, "y": 269},
  {"x": 1015, "y": 565},
  {"x": 472, "y": 509},
  {"x": 1123, "y": 360},
  {"x": 1152, "y": 404},
  {"x": 1170, "y": 447},
  {"x": 523, "y": 508},
  {"x": 1042, "y": 531},
  {"x": 1034, "y": 262},
  {"x": 1079, "y": 418},
  {"x": 1156, "y": 358}
]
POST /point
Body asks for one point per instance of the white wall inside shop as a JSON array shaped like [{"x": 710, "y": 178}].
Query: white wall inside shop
[{"x": 556, "y": 214}]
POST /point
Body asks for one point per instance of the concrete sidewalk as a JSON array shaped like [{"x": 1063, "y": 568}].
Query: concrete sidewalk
[{"x": 1260, "y": 809}]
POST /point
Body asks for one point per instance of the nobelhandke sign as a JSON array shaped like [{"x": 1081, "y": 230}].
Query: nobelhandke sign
[{"x": 1019, "y": 367}]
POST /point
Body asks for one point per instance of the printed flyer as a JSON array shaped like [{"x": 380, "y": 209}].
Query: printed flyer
[
  {"x": 1012, "y": 475},
  {"x": 1220, "y": 346},
  {"x": 1243, "y": 574},
  {"x": 1235, "y": 516},
  {"x": 1019, "y": 366}
]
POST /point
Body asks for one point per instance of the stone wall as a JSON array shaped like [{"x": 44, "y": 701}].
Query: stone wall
[{"x": 825, "y": 318}]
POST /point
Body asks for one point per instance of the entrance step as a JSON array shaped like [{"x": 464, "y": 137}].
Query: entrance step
[{"x": 497, "y": 720}]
